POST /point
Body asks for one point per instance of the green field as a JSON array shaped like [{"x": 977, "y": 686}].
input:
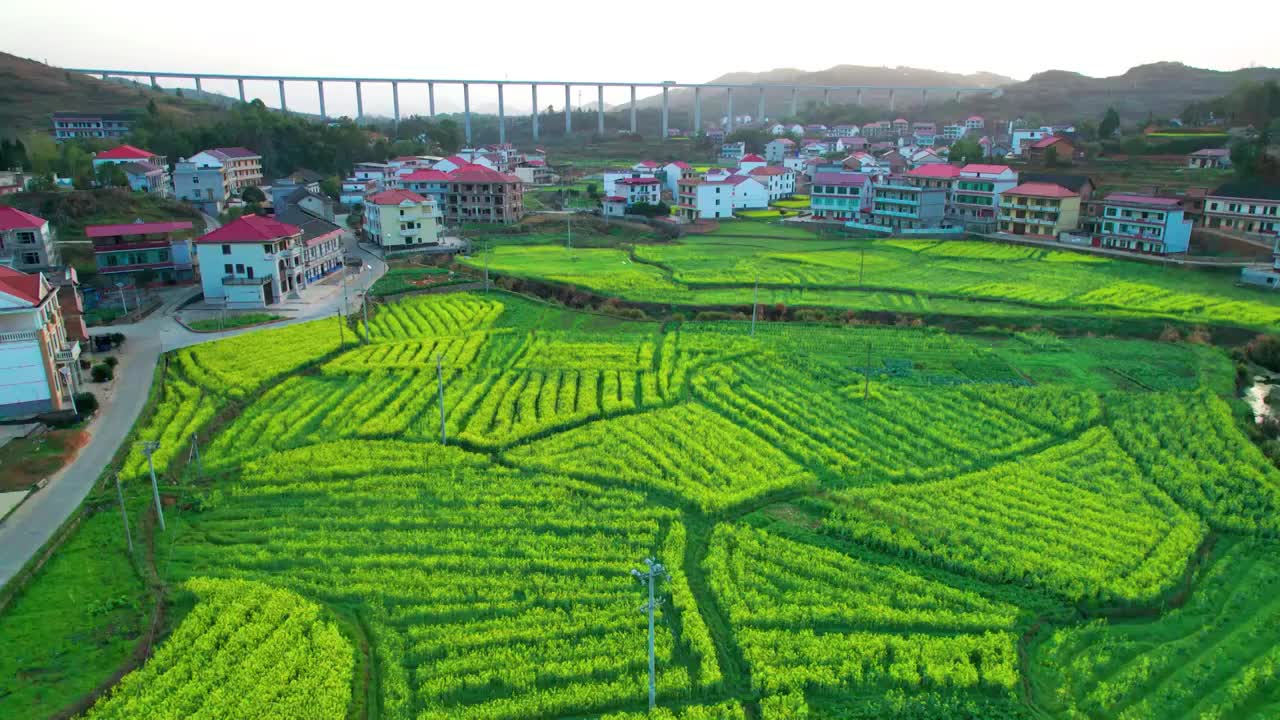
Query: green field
[
  {"x": 857, "y": 522},
  {"x": 795, "y": 267}
]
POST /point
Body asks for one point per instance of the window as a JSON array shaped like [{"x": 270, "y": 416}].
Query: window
[
  {"x": 112, "y": 260},
  {"x": 30, "y": 258},
  {"x": 226, "y": 249},
  {"x": 239, "y": 268},
  {"x": 228, "y": 269},
  {"x": 267, "y": 248}
]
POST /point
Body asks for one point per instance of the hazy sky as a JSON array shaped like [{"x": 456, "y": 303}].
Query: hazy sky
[{"x": 688, "y": 42}]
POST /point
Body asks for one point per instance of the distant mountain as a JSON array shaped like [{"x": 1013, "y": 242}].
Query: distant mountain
[
  {"x": 1162, "y": 89},
  {"x": 31, "y": 91},
  {"x": 778, "y": 102}
]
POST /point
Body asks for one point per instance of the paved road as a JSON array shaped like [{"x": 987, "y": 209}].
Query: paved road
[{"x": 24, "y": 532}]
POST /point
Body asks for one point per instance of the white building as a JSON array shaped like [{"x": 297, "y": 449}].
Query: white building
[
  {"x": 354, "y": 190},
  {"x": 1144, "y": 224},
  {"x": 778, "y": 181},
  {"x": 609, "y": 178},
  {"x": 750, "y": 162},
  {"x": 954, "y": 132},
  {"x": 779, "y": 148},
  {"x": 252, "y": 262},
  {"x": 401, "y": 220},
  {"x": 975, "y": 122},
  {"x": 26, "y": 242},
  {"x": 637, "y": 191},
  {"x": 37, "y": 360},
  {"x": 1022, "y": 137},
  {"x": 671, "y": 173},
  {"x": 241, "y": 167},
  {"x": 733, "y": 151}
]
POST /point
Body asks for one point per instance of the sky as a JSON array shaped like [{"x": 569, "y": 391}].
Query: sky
[{"x": 588, "y": 41}]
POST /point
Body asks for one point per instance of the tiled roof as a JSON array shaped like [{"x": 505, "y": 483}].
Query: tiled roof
[
  {"x": 935, "y": 170},
  {"x": 425, "y": 176},
  {"x": 973, "y": 117},
  {"x": 839, "y": 178},
  {"x": 680, "y": 164},
  {"x": 1070, "y": 182},
  {"x": 1212, "y": 152},
  {"x": 750, "y": 157},
  {"x": 1045, "y": 142},
  {"x": 21, "y": 285},
  {"x": 1040, "y": 189},
  {"x": 136, "y": 228},
  {"x": 614, "y": 198},
  {"x": 768, "y": 170},
  {"x": 249, "y": 229},
  {"x": 784, "y": 141},
  {"x": 232, "y": 153},
  {"x": 140, "y": 168},
  {"x": 1135, "y": 199},
  {"x": 12, "y": 218},
  {"x": 1250, "y": 190},
  {"x": 986, "y": 169},
  {"x": 480, "y": 173},
  {"x": 312, "y": 226},
  {"x": 124, "y": 152},
  {"x": 637, "y": 181},
  {"x": 648, "y": 164},
  {"x": 394, "y": 197}
]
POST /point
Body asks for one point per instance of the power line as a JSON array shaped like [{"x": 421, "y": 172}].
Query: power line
[{"x": 149, "y": 447}]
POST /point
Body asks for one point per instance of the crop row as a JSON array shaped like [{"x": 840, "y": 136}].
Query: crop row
[{"x": 425, "y": 315}]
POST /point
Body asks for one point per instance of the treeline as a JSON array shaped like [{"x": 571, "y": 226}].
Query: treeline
[{"x": 1253, "y": 103}]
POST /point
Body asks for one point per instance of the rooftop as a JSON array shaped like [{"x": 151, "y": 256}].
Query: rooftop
[
  {"x": 750, "y": 157},
  {"x": 935, "y": 170},
  {"x": 135, "y": 228},
  {"x": 840, "y": 178},
  {"x": 232, "y": 153},
  {"x": 984, "y": 169},
  {"x": 1041, "y": 189},
  {"x": 250, "y": 229},
  {"x": 12, "y": 218},
  {"x": 24, "y": 286},
  {"x": 1251, "y": 190},
  {"x": 1148, "y": 200},
  {"x": 124, "y": 152},
  {"x": 480, "y": 173},
  {"x": 425, "y": 176},
  {"x": 394, "y": 197}
]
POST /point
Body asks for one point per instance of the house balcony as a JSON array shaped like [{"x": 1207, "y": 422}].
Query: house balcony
[
  {"x": 898, "y": 201},
  {"x": 894, "y": 213},
  {"x": 68, "y": 354},
  {"x": 23, "y": 336}
]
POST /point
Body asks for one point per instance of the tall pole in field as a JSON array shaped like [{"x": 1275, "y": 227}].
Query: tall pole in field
[
  {"x": 655, "y": 571},
  {"x": 342, "y": 336},
  {"x": 486, "y": 267},
  {"x": 440, "y": 384},
  {"x": 866, "y": 386},
  {"x": 148, "y": 447},
  {"x": 755, "y": 302},
  {"x": 364, "y": 303},
  {"x": 862, "y": 263},
  {"x": 568, "y": 243},
  {"x": 124, "y": 514},
  {"x": 195, "y": 452}
]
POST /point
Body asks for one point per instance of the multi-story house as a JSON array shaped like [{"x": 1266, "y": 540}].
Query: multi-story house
[
  {"x": 609, "y": 178},
  {"x": 26, "y": 242},
  {"x": 778, "y": 181},
  {"x": 733, "y": 151},
  {"x": 1210, "y": 159},
  {"x": 70, "y": 301},
  {"x": 241, "y": 167},
  {"x": 1143, "y": 223},
  {"x": 321, "y": 242},
  {"x": 102, "y": 126},
  {"x": 935, "y": 176},
  {"x": 1050, "y": 148},
  {"x": 37, "y": 359},
  {"x": 202, "y": 185},
  {"x": 430, "y": 183},
  {"x": 749, "y": 162},
  {"x": 843, "y": 131},
  {"x": 639, "y": 191},
  {"x": 975, "y": 122},
  {"x": 145, "y": 177},
  {"x": 975, "y": 199},
  {"x": 252, "y": 262},
  {"x": 906, "y": 203},
  {"x": 401, "y": 220},
  {"x": 671, "y": 173},
  {"x": 901, "y": 127},
  {"x": 1081, "y": 185},
  {"x": 706, "y": 198},
  {"x": 839, "y": 195},
  {"x": 128, "y": 154},
  {"x": 924, "y": 128},
  {"x": 534, "y": 172},
  {"x": 1021, "y": 138},
  {"x": 1244, "y": 208},
  {"x": 354, "y": 190},
  {"x": 1039, "y": 209},
  {"x": 479, "y": 194},
  {"x": 122, "y": 251},
  {"x": 384, "y": 174},
  {"x": 954, "y": 132}
]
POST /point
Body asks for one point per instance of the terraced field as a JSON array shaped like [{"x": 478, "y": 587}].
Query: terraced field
[{"x": 857, "y": 522}]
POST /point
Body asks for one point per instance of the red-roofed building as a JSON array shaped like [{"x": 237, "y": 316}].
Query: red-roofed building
[
  {"x": 252, "y": 262},
  {"x": 402, "y": 220},
  {"x": 127, "y": 153},
  {"x": 159, "y": 250},
  {"x": 639, "y": 190},
  {"x": 26, "y": 242},
  {"x": 975, "y": 122},
  {"x": 749, "y": 162},
  {"x": 779, "y": 182},
  {"x": 1039, "y": 209},
  {"x": 975, "y": 199},
  {"x": 38, "y": 364},
  {"x": 1054, "y": 146},
  {"x": 1143, "y": 223},
  {"x": 145, "y": 170},
  {"x": 241, "y": 167},
  {"x": 431, "y": 183},
  {"x": 840, "y": 195},
  {"x": 475, "y": 193}
]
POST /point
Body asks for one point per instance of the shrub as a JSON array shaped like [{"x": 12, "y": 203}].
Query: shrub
[
  {"x": 86, "y": 402},
  {"x": 1265, "y": 351},
  {"x": 117, "y": 339},
  {"x": 102, "y": 372},
  {"x": 111, "y": 360}
]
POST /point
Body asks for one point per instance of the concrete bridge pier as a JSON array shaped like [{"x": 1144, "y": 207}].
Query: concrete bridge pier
[
  {"x": 240, "y": 84},
  {"x": 466, "y": 112},
  {"x": 924, "y": 97},
  {"x": 890, "y": 100},
  {"x": 502, "y": 118},
  {"x": 534, "y": 90},
  {"x": 431, "y": 99},
  {"x": 728, "y": 127},
  {"x": 284, "y": 106},
  {"x": 859, "y": 97},
  {"x": 359, "y": 101},
  {"x": 795, "y": 101},
  {"x": 957, "y": 96},
  {"x": 155, "y": 83},
  {"x": 633, "y": 109},
  {"x": 395, "y": 101},
  {"x": 568, "y": 111},
  {"x": 760, "y": 108},
  {"x": 320, "y": 92},
  {"x": 666, "y": 113},
  {"x": 199, "y": 87},
  {"x": 826, "y": 97},
  {"x": 697, "y": 110},
  {"x": 600, "y": 110}
]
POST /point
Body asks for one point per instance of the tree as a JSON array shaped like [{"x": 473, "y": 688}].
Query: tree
[
  {"x": 966, "y": 149},
  {"x": 110, "y": 175},
  {"x": 1051, "y": 157},
  {"x": 253, "y": 194},
  {"x": 1109, "y": 125},
  {"x": 331, "y": 186}
]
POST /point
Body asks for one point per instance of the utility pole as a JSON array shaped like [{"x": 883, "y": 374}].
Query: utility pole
[
  {"x": 364, "y": 305},
  {"x": 655, "y": 571},
  {"x": 342, "y": 336},
  {"x": 755, "y": 302},
  {"x": 486, "y": 267},
  {"x": 440, "y": 384},
  {"x": 866, "y": 387},
  {"x": 862, "y": 263},
  {"x": 195, "y": 453},
  {"x": 124, "y": 514},
  {"x": 148, "y": 447},
  {"x": 568, "y": 243}
]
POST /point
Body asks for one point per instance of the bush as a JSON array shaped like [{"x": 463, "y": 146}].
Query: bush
[
  {"x": 630, "y": 313},
  {"x": 117, "y": 339},
  {"x": 1265, "y": 351},
  {"x": 102, "y": 372},
  {"x": 111, "y": 360},
  {"x": 86, "y": 402}
]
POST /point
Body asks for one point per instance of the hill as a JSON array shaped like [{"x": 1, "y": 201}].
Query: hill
[
  {"x": 31, "y": 91},
  {"x": 1162, "y": 89},
  {"x": 778, "y": 101}
]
